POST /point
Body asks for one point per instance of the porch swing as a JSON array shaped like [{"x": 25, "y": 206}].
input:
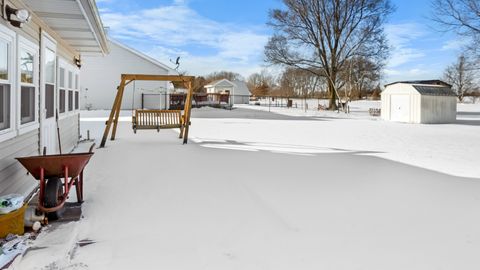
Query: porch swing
[
  {"x": 155, "y": 119},
  {"x": 152, "y": 119}
]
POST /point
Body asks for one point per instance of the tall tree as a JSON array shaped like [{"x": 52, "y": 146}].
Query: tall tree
[
  {"x": 321, "y": 35},
  {"x": 460, "y": 75}
]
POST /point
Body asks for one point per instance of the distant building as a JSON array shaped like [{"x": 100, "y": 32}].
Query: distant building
[
  {"x": 238, "y": 90},
  {"x": 101, "y": 76},
  {"x": 426, "y": 102}
]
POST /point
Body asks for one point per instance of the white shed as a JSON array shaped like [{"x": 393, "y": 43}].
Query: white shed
[
  {"x": 426, "y": 102},
  {"x": 101, "y": 76},
  {"x": 239, "y": 93}
]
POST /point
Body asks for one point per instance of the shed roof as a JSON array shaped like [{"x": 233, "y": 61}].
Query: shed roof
[
  {"x": 428, "y": 82},
  {"x": 431, "y": 90}
]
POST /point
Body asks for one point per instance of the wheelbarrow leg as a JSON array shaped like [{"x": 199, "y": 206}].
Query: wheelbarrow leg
[
  {"x": 42, "y": 187},
  {"x": 79, "y": 187}
]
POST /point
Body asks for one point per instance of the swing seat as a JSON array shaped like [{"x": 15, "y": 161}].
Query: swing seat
[{"x": 158, "y": 119}]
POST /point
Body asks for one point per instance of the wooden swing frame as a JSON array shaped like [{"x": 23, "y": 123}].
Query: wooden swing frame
[{"x": 126, "y": 79}]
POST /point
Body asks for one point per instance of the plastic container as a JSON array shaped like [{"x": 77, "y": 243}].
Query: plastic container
[{"x": 12, "y": 222}]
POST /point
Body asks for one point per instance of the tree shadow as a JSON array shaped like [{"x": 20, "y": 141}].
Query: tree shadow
[{"x": 280, "y": 148}]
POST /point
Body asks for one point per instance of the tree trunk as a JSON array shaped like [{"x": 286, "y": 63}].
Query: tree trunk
[{"x": 333, "y": 97}]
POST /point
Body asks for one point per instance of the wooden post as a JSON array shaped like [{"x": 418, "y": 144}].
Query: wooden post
[
  {"x": 110, "y": 118},
  {"x": 188, "y": 108},
  {"x": 128, "y": 78},
  {"x": 117, "y": 114}
]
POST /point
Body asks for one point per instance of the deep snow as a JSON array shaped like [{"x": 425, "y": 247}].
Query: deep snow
[{"x": 299, "y": 191}]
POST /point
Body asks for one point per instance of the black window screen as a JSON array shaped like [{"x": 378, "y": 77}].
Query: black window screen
[
  {"x": 77, "y": 101},
  {"x": 70, "y": 100},
  {"x": 61, "y": 101},
  {"x": 50, "y": 100},
  {"x": 27, "y": 100},
  {"x": 4, "y": 106}
]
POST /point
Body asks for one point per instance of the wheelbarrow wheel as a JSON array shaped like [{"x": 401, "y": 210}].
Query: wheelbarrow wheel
[{"x": 53, "y": 197}]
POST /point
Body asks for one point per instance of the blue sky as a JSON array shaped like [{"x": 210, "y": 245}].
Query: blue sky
[{"x": 213, "y": 35}]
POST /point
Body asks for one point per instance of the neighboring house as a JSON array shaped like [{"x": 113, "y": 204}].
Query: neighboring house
[
  {"x": 427, "y": 102},
  {"x": 238, "y": 90},
  {"x": 38, "y": 77},
  {"x": 102, "y": 77}
]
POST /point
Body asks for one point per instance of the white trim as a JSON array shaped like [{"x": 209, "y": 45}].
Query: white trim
[
  {"x": 46, "y": 41},
  {"x": 218, "y": 82},
  {"x": 9, "y": 36},
  {"x": 98, "y": 23},
  {"x": 143, "y": 56},
  {"x": 62, "y": 63},
  {"x": 27, "y": 45}
]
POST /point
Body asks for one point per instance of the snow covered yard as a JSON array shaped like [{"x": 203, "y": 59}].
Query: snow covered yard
[{"x": 259, "y": 190}]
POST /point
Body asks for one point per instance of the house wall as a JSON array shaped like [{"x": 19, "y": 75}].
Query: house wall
[
  {"x": 438, "y": 109},
  {"x": 13, "y": 177},
  {"x": 101, "y": 76}
]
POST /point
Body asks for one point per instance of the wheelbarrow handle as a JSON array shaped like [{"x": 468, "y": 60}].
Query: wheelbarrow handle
[{"x": 91, "y": 148}]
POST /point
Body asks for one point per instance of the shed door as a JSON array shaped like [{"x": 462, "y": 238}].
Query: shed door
[{"x": 400, "y": 108}]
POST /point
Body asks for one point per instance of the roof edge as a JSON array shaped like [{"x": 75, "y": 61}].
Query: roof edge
[
  {"x": 142, "y": 55},
  {"x": 214, "y": 83},
  {"x": 422, "y": 82},
  {"x": 90, "y": 11}
]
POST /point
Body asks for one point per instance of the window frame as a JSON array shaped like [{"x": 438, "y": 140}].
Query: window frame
[
  {"x": 69, "y": 68},
  {"x": 9, "y": 36},
  {"x": 62, "y": 64},
  {"x": 28, "y": 46},
  {"x": 76, "y": 89}
]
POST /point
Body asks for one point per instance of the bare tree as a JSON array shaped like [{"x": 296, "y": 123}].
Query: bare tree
[
  {"x": 460, "y": 75},
  {"x": 319, "y": 36},
  {"x": 261, "y": 84},
  {"x": 461, "y": 16},
  {"x": 361, "y": 76},
  {"x": 296, "y": 82},
  {"x": 220, "y": 75}
]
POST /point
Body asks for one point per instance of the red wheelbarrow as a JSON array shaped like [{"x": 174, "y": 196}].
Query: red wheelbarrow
[{"x": 50, "y": 169}]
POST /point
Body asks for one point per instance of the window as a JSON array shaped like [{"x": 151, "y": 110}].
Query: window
[
  {"x": 70, "y": 76},
  {"x": 70, "y": 93},
  {"x": 3, "y": 60},
  {"x": 70, "y": 101},
  {"x": 27, "y": 87},
  {"x": 61, "y": 101},
  {"x": 61, "y": 91},
  {"x": 50, "y": 82},
  {"x": 49, "y": 100},
  {"x": 77, "y": 101},
  {"x": 26, "y": 67},
  {"x": 77, "y": 94},
  {"x": 5, "y": 106},
  {"x": 5, "y": 85},
  {"x": 61, "y": 77}
]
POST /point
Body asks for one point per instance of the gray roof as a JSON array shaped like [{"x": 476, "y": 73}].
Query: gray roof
[
  {"x": 430, "y": 90},
  {"x": 429, "y": 82}
]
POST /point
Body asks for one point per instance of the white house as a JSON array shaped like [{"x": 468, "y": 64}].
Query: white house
[
  {"x": 428, "y": 102},
  {"x": 39, "y": 76},
  {"x": 102, "y": 76},
  {"x": 238, "y": 90}
]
